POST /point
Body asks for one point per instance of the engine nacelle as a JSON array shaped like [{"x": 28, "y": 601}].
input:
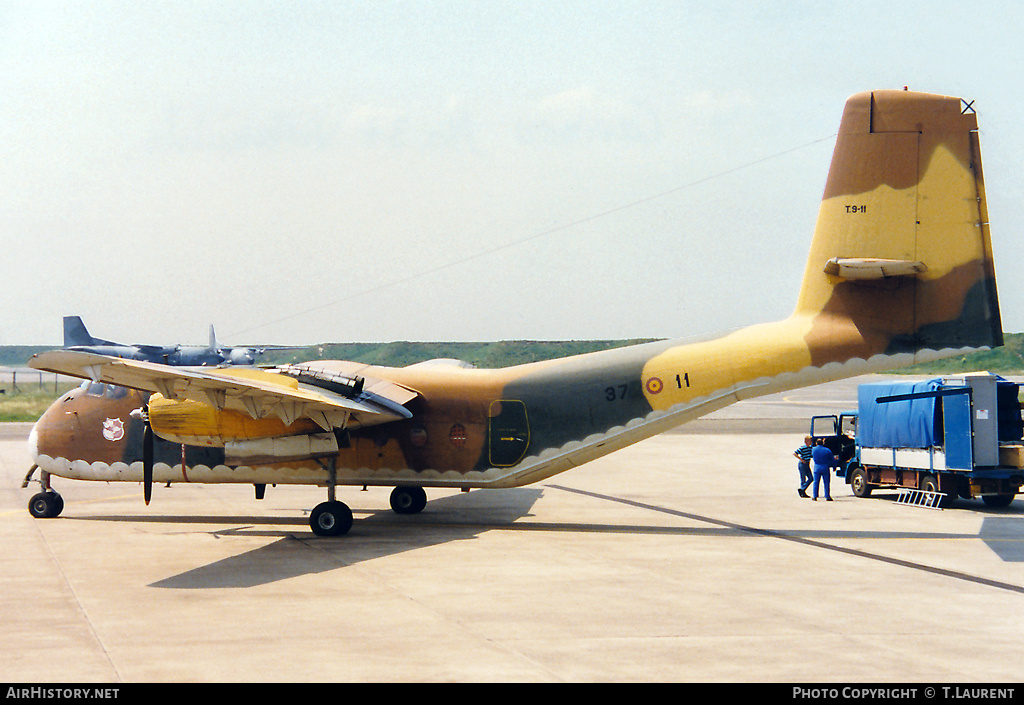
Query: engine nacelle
[
  {"x": 197, "y": 424},
  {"x": 276, "y": 450},
  {"x": 241, "y": 356}
]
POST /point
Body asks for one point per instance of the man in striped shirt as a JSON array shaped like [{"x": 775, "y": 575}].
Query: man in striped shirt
[{"x": 803, "y": 456}]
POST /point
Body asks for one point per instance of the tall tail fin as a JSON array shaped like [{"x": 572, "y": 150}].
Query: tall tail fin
[
  {"x": 75, "y": 332},
  {"x": 901, "y": 260}
]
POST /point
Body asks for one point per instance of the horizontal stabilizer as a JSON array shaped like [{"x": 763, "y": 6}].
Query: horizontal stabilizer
[{"x": 854, "y": 268}]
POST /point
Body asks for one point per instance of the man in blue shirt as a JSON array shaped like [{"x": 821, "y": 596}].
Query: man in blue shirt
[{"x": 824, "y": 460}]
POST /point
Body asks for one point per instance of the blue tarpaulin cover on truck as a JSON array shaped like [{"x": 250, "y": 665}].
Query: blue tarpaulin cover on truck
[{"x": 899, "y": 424}]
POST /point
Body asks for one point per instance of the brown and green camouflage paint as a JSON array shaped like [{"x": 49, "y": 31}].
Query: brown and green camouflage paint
[{"x": 905, "y": 184}]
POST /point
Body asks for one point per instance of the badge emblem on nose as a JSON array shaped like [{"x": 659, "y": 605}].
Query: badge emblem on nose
[{"x": 113, "y": 429}]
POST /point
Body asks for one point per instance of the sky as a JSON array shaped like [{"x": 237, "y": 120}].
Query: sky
[{"x": 308, "y": 172}]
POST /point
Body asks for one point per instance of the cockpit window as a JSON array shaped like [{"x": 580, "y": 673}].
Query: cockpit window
[
  {"x": 110, "y": 391},
  {"x": 95, "y": 389}
]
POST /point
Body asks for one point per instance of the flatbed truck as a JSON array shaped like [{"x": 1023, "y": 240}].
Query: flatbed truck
[{"x": 953, "y": 437}]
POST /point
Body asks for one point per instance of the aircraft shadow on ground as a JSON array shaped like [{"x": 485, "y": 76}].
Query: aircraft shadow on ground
[
  {"x": 378, "y": 534},
  {"x": 460, "y": 517},
  {"x": 383, "y": 534}
]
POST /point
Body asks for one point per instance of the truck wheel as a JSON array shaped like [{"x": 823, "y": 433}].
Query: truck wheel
[
  {"x": 859, "y": 484},
  {"x": 997, "y": 500},
  {"x": 952, "y": 494},
  {"x": 930, "y": 483}
]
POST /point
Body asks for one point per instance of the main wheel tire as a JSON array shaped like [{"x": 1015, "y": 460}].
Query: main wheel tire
[
  {"x": 331, "y": 519},
  {"x": 408, "y": 500},
  {"x": 930, "y": 483},
  {"x": 46, "y": 505},
  {"x": 859, "y": 484},
  {"x": 952, "y": 491},
  {"x": 997, "y": 501}
]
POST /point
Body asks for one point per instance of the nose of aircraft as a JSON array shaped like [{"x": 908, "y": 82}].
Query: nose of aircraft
[
  {"x": 91, "y": 423},
  {"x": 50, "y": 427},
  {"x": 33, "y": 442},
  {"x": 43, "y": 440}
]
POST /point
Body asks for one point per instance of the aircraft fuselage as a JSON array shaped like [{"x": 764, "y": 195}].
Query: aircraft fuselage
[{"x": 469, "y": 427}]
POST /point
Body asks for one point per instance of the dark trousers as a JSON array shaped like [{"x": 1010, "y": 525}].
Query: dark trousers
[{"x": 805, "y": 474}]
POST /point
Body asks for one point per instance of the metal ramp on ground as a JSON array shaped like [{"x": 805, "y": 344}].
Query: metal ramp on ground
[{"x": 920, "y": 498}]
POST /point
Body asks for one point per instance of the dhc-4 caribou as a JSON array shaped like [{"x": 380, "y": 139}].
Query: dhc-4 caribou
[{"x": 900, "y": 271}]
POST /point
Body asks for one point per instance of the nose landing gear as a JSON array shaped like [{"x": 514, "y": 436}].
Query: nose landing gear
[{"x": 46, "y": 504}]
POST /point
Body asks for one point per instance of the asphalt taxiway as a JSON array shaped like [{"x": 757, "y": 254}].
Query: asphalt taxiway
[{"x": 688, "y": 557}]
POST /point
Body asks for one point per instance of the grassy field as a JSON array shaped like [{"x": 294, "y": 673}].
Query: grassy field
[{"x": 28, "y": 403}]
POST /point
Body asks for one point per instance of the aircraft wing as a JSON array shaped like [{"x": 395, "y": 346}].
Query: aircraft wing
[
  {"x": 151, "y": 349},
  {"x": 339, "y": 401}
]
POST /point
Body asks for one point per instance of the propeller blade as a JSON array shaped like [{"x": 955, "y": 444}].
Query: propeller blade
[{"x": 147, "y": 463}]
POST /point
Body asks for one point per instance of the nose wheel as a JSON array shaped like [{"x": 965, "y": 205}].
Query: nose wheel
[{"x": 46, "y": 505}]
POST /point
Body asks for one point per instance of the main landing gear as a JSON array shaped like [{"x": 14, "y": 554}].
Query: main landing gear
[
  {"x": 334, "y": 518},
  {"x": 331, "y": 518},
  {"x": 408, "y": 500}
]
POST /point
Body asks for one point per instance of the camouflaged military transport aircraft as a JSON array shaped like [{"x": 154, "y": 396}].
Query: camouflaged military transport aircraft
[{"x": 900, "y": 271}]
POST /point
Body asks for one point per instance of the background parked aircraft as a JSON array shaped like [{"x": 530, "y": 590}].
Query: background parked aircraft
[{"x": 76, "y": 337}]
